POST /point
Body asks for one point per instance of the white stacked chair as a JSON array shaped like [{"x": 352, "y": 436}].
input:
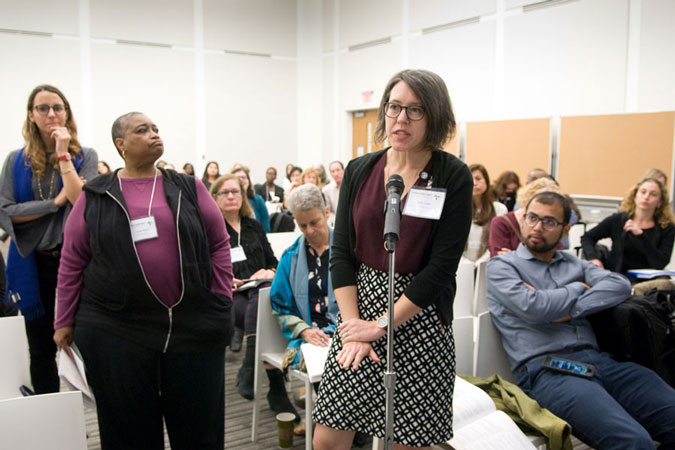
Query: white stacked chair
[{"x": 15, "y": 370}]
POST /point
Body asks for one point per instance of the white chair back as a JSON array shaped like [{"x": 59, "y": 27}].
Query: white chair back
[
  {"x": 281, "y": 241},
  {"x": 462, "y": 329},
  {"x": 53, "y": 421},
  {"x": 462, "y": 305},
  {"x": 15, "y": 359},
  {"x": 490, "y": 356}
]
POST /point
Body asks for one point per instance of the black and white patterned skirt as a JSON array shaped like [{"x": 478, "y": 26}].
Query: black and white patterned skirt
[{"x": 424, "y": 362}]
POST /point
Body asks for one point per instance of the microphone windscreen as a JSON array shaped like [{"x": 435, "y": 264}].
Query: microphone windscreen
[{"x": 395, "y": 182}]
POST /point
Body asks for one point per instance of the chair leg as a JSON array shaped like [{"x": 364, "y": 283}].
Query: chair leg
[
  {"x": 309, "y": 405},
  {"x": 257, "y": 386}
]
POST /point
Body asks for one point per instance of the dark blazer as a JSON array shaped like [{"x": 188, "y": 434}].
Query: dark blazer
[{"x": 261, "y": 190}]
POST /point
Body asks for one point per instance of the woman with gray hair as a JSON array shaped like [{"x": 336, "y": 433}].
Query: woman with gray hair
[{"x": 302, "y": 292}]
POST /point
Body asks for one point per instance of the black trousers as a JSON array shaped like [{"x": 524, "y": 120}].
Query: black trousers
[
  {"x": 40, "y": 331},
  {"x": 136, "y": 387}
]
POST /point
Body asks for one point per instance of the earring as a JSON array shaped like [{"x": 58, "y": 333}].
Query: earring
[{"x": 124, "y": 154}]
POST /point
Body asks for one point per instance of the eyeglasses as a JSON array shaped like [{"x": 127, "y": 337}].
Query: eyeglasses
[
  {"x": 44, "y": 109},
  {"x": 393, "y": 110},
  {"x": 547, "y": 223},
  {"x": 234, "y": 192}
]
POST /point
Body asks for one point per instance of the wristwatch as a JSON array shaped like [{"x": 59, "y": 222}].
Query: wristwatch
[
  {"x": 382, "y": 322},
  {"x": 64, "y": 157}
]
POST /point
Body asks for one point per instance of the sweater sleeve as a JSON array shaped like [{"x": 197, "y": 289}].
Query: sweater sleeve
[
  {"x": 658, "y": 254},
  {"x": 600, "y": 231},
  {"x": 219, "y": 242},
  {"x": 343, "y": 263},
  {"x": 448, "y": 240},
  {"x": 75, "y": 257},
  {"x": 499, "y": 235}
]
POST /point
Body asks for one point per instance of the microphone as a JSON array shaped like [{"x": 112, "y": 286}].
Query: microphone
[{"x": 392, "y": 210}]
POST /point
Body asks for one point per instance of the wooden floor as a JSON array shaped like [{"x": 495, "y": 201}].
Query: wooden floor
[{"x": 238, "y": 414}]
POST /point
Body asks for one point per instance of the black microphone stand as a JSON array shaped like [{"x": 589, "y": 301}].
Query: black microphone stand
[
  {"x": 392, "y": 217},
  {"x": 390, "y": 374}
]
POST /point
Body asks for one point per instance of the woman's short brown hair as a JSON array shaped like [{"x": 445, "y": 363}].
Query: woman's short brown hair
[{"x": 433, "y": 94}]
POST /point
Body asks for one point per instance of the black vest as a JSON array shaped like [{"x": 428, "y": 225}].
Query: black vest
[{"x": 115, "y": 295}]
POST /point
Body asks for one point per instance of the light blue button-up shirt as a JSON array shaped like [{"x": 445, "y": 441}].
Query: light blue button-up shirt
[{"x": 525, "y": 317}]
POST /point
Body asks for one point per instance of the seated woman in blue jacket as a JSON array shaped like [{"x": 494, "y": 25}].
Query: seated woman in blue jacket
[{"x": 302, "y": 292}]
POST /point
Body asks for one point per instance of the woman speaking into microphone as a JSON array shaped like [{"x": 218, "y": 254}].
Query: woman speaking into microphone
[{"x": 416, "y": 118}]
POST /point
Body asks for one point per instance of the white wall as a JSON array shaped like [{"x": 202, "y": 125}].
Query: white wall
[{"x": 266, "y": 82}]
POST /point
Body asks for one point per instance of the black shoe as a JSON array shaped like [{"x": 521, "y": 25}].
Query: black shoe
[
  {"x": 360, "y": 440},
  {"x": 277, "y": 397},
  {"x": 237, "y": 338},
  {"x": 245, "y": 382}
]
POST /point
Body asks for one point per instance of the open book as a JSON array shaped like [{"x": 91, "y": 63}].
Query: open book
[{"x": 479, "y": 426}]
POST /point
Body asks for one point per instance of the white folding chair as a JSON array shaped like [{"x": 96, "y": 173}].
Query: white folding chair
[
  {"x": 480, "y": 289},
  {"x": 462, "y": 329},
  {"x": 270, "y": 347},
  {"x": 490, "y": 355},
  {"x": 53, "y": 421},
  {"x": 281, "y": 241},
  {"x": 15, "y": 359},
  {"x": 462, "y": 305}
]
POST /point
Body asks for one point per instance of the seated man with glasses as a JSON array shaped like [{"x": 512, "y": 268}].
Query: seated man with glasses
[{"x": 539, "y": 299}]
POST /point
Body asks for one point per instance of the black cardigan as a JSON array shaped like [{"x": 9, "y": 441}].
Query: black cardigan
[
  {"x": 435, "y": 283},
  {"x": 650, "y": 250}
]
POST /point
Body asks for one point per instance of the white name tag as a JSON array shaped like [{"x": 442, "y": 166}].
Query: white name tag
[
  {"x": 143, "y": 229},
  {"x": 237, "y": 254},
  {"x": 425, "y": 203}
]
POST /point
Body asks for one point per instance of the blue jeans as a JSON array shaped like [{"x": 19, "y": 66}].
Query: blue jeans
[{"x": 624, "y": 406}]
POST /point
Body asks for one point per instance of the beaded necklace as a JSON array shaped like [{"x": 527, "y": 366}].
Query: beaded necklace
[{"x": 51, "y": 187}]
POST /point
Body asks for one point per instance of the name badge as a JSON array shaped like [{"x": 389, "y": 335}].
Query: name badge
[
  {"x": 237, "y": 254},
  {"x": 144, "y": 229},
  {"x": 425, "y": 203}
]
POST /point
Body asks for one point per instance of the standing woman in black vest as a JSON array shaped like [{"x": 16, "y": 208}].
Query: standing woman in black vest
[
  {"x": 145, "y": 288},
  {"x": 39, "y": 184}
]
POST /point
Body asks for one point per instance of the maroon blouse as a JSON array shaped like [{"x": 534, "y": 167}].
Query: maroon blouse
[{"x": 368, "y": 216}]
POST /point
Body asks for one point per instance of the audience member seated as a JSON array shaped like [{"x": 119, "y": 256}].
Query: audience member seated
[
  {"x": 311, "y": 176},
  {"x": 252, "y": 258},
  {"x": 485, "y": 208},
  {"x": 189, "y": 169},
  {"x": 286, "y": 182},
  {"x": 295, "y": 180},
  {"x": 302, "y": 291},
  {"x": 256, "y": 201},
  {"x": 269, "y": 191},
  {"x": 321, "y": 172},
  {"x": 539, "y": 298},
  {"x": 535, "y": 174},
  {"x": 331, "y": 191},
  {"x": 505, "y": 230},
  {"x": 211, "y": 174},
  {"x": 103, "y": 167},
  {"x": 642, "y": 231},
  {"x": 505, "y": 188},
  {"x": 659, "y": 175}
]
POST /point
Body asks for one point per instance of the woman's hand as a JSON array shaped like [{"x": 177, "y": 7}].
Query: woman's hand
[
  {"x": 237, "y": 282},
  {"x": 63, "y": 337},
  {"x": 597, "y": 262},
  {"x": 62, "y": 138},
  {"x": 263, "y": 274},
  {"x": 357, "y": 330},
  {"x": 503, "y": 251},
  {"x": 352, "y": 354},
  {"x": 61, "y": 198},
  {"x": 314, "y": 336},
  {"x": 633, "y": 227}
]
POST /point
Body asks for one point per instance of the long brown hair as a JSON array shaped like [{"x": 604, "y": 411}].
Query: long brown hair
[
  {"x": 663, "y": 215},
  {"x": 504, "y": 180},
  {"x": 36, "y": 150},
  {"x": 486, "y": 211}
]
